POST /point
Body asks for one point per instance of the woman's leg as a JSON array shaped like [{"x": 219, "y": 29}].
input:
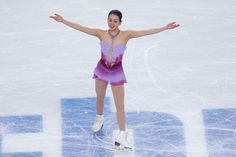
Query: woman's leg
[
  {"x": 100, "y": 87},
  {"x": 100, "y": 91},
  {"x": 118, "y": 94}
]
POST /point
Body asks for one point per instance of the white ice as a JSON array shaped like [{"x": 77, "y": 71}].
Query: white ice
[{"x": 180, "y": 72}]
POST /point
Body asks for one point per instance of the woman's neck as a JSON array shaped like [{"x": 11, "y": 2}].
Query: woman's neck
[{"x": 113, "y": 33}]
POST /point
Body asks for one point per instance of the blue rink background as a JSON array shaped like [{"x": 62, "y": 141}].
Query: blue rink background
[{"x": 155, "y": 134}]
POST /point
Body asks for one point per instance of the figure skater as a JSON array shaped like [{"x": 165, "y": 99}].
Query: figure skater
[{"x": 109, "y": 69}]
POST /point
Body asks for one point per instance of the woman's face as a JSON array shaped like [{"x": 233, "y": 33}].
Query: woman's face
[{"x": 113, "y": 22}]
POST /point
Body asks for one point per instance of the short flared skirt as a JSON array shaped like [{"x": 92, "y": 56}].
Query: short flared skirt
[{"x": 113, "y": 75}]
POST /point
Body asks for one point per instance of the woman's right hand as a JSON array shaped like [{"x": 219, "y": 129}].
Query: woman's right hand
[{"x": 57, "y": 17}]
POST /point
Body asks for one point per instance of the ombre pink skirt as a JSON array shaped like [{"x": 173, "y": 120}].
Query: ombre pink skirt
[{"x": 110, "y": 74}]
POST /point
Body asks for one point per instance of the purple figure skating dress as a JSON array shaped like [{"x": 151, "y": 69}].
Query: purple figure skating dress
[{"x": 109, "y": 68}]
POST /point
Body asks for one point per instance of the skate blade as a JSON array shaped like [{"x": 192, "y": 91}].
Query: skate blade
[{"x": 118, "y": 146}]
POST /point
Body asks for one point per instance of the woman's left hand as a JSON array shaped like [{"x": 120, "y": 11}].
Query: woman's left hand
[{"x": 172, "y": 25}]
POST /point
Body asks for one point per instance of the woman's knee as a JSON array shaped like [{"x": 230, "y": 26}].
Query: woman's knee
[
  {"x": 120, "y": 110},
  {"x": 100, "y": 97}
]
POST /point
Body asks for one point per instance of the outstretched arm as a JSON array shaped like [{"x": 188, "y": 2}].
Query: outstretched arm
[
  {"x": 136, "y": 34},
  {"x": 87, "y": 30}
]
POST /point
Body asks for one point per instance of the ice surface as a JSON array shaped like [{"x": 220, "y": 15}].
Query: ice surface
[{"x": 180, "y": 96}]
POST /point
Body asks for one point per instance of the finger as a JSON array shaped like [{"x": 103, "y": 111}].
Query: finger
[
  {"x": 176, "y": 25},
  {"x": 57, "y": 14}
]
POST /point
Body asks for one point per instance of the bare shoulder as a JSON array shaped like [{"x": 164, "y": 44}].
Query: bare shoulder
[
  {"x": 126, "y": 34},
  {"x": 101, "y": 33}
]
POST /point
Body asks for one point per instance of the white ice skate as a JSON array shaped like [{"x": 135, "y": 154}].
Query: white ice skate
[
  {"x": 121, "y": 141},
  {"x": 99, "y": 120}
]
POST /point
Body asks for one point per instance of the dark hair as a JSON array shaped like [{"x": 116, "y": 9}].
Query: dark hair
[{"x": 116, "y": 12}]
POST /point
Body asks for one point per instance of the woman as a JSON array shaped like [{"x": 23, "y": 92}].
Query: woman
[{"x": 109, "y": 69}]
